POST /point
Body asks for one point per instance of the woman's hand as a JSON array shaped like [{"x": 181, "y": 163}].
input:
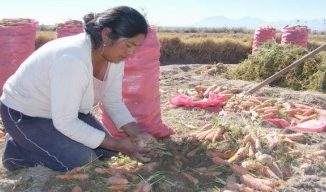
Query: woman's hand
[
  {"x": 142, "y": 138},
  {"x": 126, "y": 146}
]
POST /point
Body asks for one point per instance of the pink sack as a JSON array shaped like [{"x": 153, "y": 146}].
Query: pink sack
[
  {"x": 314, "y": 125},
  {"x": 279, "y": 122},
  {"x": 186, "y": 101},
  {"x": 141, "y": 89},
  {"x": 295, "y": 35},
  {"x": 262, "y": 35},
  {"x": 68, "y": 28},
  {"x": 17, "y": 37}
]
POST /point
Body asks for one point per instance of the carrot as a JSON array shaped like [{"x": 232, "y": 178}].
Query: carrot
[
  {"x": 268, "y": 115},
  {"x": 209, "y": 136},
  {"x": 174, "y": 168},
  {"x": 268, "y": 182},
  {"x": 251, "y": 152},
  {"x": 218, "y": 134},
  {"x": 272, "y": 141},
  {"x": 200, "y": 88},
  {"x": 253, "y": 183},
  {"x": 80, "y": 176},
  {"x": 202, "y": 135},
  {"x": 298, "y": 137},
  {"x": 276, "y": 169},
  {"x": 117, "y": 180},
  {"x": 75, "y": 170},
  {"x": 194, "y": 151},
  {"x": 213, "y": 153},
  {"x": 209, "y": 89},
  {"x": 242, "y": 152},
  {"x": 143, "y": 187},
  {"x": 228, "y": 154},
  {"x": 315, "y": 154},
  {"x": 310, "y": 117},
  {"x": 239, "y": 169},
  {"x": 219, "y": 161},
  {"x": 118, "y": 187},
  {"x": 246, "y": 139},
  {"x": 267, "y": 172},
  {"x": 292, "y": 112},
  {"x": 295, "y": 153},
  {"x": 257, "y": 142},
  {"x": 272, "y": 110},
  {"x": 206, "y": 127},
  {"x": 111, "y": 171},
  {"x": 190, "y": 178},
  {"x": 77, "y": 189},
  {"x": 309, "y": 112}
]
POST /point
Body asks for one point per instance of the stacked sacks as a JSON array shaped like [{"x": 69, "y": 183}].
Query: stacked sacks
[
  {"x": 295, "y": 35},
  {"x": 262, "y": 35},
  {"x": 17, "y": 37},
  {"x": 141, "y": 89},
  {"x": 71, "y": 27}
]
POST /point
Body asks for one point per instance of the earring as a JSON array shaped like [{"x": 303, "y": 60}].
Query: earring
[{"x": 104, "y": 45}]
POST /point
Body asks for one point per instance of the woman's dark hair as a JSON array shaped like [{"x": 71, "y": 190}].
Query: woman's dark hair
[{"x": 124, "y": 22}]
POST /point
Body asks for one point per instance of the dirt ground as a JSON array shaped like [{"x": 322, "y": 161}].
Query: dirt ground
[{"x": 175, "y": 79}]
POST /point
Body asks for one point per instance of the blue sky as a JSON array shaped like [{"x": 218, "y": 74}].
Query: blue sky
[{"x": 167, "y": 12}]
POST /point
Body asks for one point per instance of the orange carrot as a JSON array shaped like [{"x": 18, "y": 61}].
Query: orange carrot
[
  {"x": 310, "y": 117},
  {"x": 298, "y": 137},
  {"x": 276, "y": 169},
  {"x": 77, "y": 189},
  {"x": 219, "y": 161},
  {"x": 202, "y": 135},
  {"x": 191, "y": 178},
  {"x": 251, "y": 152},
  {"x": 174, "y": 168},
  {"x": 117, "y": 180},
  {"x": 218, "y": 134},
  {"x": 80, "y": 176},
  {"x": 209, "y": 136},
  {"x": 241, "y": 153},
  {"x": 267, "y": 172},
  {"x": 228, "y": 154},
  {"x": 213, "y": 153},
  {"x": 257, "y": 142},
  {"x": 272, "y": 110},
  {"x": 194, "y": 151},
  {"x": 237, "y": 169},
  {"x": 75, "y": 170},
  {"x": 253, "y": 183},
  {"x": 143, "y": 187},
  {"x": 246, "y": 139},
  {"x": 268, "y": 115},
  {"x": 315, "y": 154},
  {"x": 309, "y": 112},
  {"x": 118, "y": 187}
]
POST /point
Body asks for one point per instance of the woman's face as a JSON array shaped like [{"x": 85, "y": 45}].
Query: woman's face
[{"x": 122, "y": 48}]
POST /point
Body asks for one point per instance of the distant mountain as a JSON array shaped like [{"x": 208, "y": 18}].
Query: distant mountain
[{"x": 253, "y": 23}]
